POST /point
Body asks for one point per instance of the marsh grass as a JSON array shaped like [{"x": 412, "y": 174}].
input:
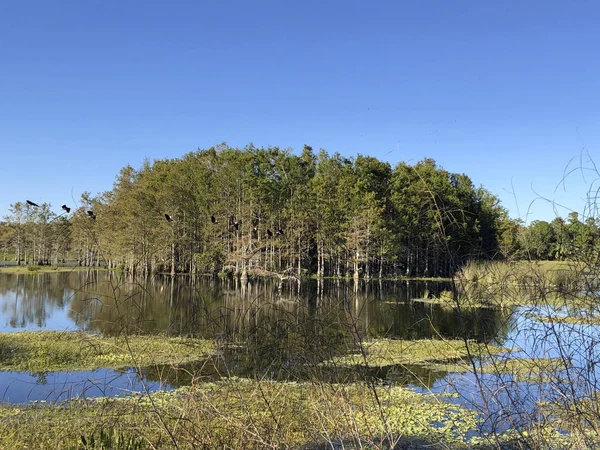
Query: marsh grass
[
  {"x": 579, "y": 418},
  {"x": 289, "y": 396},
  {"x": 540, "y": 389},
  {"x": 509, "y": 283},
  {"x": 110, "y": 439}
]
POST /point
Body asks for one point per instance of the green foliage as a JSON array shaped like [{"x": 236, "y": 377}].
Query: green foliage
[
  {"x": 210, "y": 261},
  {"x": 338, "y": 216}
]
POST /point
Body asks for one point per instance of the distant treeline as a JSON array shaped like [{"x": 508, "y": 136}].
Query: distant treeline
[{"x": 267, "y": 210}]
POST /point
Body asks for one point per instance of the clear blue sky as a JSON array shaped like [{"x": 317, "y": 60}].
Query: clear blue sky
[{"x": 506, "y": 92}]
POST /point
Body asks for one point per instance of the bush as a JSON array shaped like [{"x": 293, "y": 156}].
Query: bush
[{"x": 210, "y": 261}]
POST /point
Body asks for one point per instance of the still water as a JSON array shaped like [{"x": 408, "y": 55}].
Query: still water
[
  {"x": 99, "y": 301},
  {"x": 103, "y": 302}
]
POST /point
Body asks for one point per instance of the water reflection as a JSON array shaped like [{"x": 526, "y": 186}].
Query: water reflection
[
  {"x": 19, "y": 387},
  {"x": 285, "y": 331},
  {"x": 235, "y": 365},
  {"x": 99, "y": 301},
  {"x": 34, "y": 301}
]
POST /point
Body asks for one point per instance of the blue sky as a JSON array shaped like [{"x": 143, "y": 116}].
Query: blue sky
[{"x": 506, "y": 92}]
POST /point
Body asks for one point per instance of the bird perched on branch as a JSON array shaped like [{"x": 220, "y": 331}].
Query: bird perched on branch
[
  {"x": 91, "y": 214},
  {"x": 66, "y": 208},
  {"x": 213, "y": 219},
  {"x": 169, "y": 218}
]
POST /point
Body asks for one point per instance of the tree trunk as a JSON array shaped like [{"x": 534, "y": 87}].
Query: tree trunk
[{"x": 173, "y": 259}]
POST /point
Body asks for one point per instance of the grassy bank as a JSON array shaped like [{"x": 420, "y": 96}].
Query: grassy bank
[{"x": 43, "y": 269}]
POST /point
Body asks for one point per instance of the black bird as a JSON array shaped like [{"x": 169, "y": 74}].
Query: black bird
[
  {"x": 279, "y": 232},
  {"x": 66, "y": 208},
  {"x": 213, "y": 220},
  {"x": 91, "y": 214},
  {"x": 453, "y": 181},
  {"x": 269, "y": 233},
  {"x": 169, "y": 218},
  {"x": 236, "y": 224},
  {"x": 29, "y": 202}
]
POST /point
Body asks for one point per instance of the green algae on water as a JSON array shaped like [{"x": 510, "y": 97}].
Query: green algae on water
[{"x": 43, "y": 351}]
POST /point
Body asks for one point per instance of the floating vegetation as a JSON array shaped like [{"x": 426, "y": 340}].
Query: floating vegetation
[
  {"x": 385, "y": 352},
  {"x": 43, "y": 351},
  {"x": 572, "y": 319},
  {"x": 527, "y": 369},
  {"x": 523, "y": 369},
  {"x": 241, "y": 413}
]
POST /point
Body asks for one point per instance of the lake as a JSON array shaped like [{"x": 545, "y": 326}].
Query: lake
[
  {"x": 100, "y": 301},
  {"x": 263, "y": 311}
]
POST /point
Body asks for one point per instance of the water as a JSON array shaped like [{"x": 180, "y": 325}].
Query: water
[
  {"x": 98, "y": 301},
  {"x": 19, "y": 387},
  {"x": 260, "y": 313}
]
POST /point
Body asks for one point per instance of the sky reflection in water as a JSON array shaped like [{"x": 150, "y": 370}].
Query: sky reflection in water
[{"x": 101, "y": 302}]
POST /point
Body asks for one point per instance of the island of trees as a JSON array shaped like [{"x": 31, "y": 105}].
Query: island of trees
[{"x": 268, "y": 211}]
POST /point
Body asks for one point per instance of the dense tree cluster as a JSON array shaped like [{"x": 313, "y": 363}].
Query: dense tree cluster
[
  {"x": 267, "y": 210},
  {"x": 561, "y": 240}
]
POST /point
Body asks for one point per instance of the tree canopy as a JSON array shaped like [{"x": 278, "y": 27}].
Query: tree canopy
[{"x": 269, "y": 210}]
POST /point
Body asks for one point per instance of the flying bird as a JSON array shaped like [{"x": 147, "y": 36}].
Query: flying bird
[
  {"x": 66, "y": 208},
  {"x": 169, "y": 218},
  {"x": 30, "y": 203},
  {"x": 91, "y": 214}
]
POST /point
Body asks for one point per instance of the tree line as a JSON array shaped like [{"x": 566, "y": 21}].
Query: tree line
[{"x": 270, "y": 211}]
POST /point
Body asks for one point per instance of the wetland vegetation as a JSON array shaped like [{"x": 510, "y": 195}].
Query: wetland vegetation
[
  {"x": 259, "y": 365},
  {"x": 260, "y": 299},
  {"x": 49, "y": 351}
]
